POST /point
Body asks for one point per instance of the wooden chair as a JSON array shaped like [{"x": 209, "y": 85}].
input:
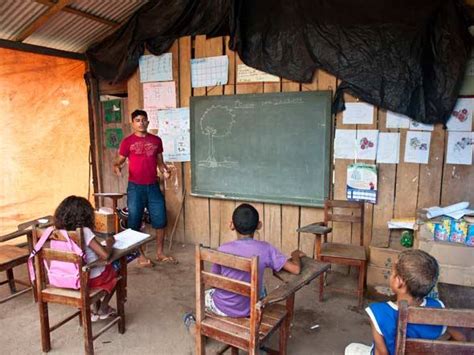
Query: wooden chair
[
  {"x": 338, "y": 253},
  {"x": 421, "y": 315},
  {"x": 12, "y": 256},
  {"x": 80, "y": 299},
  {"x": 240, "y": 333}
]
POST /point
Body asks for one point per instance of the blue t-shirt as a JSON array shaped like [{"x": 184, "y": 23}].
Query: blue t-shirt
[{"x": 384, "y": 317}]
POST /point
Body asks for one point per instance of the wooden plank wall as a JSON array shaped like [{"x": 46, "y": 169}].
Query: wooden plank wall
[{"x": 403, "y": 187}]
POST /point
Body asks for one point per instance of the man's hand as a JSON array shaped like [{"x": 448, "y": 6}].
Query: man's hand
[{"x": 118, "y": 170}]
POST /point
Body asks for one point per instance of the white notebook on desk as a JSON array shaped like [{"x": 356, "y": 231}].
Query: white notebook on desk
[{"x": 128, "y": 237}]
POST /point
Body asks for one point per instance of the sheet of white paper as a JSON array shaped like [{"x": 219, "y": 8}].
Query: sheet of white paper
[
  {"x": 156, "y": 67},
  {"x": 418, "y": 126},
  {"x": 127, "y": 238},
  {"x": 160, "y": 95},
  {"x": 460, "y": 213},
  {"x": 417, "y": 147},
  {"x": 397, "y": 120},
  {"x": 388, "y": 148},
  {"x": 210, "y": 71},
  {"x": 367, "y": 143},
  {"x": 436, "y": 211},
  {"x": 246, "y": 74},
  {"x": 174, "y": 131},
  {"x": 345, "y": 144},
  {"x": 460, "y": 146},
  {"x": 358, "y": 113},
  {"x": 461, "y": 117},
  {"x": 152, "y": 118}
]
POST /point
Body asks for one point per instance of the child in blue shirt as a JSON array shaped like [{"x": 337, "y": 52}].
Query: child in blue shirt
[{"x": 412, "y": 278}]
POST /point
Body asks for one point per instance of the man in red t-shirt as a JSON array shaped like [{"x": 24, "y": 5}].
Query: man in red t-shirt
[{"x": 144, "y": 152}]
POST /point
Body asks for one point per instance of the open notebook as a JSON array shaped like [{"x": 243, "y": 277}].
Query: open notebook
[{"x": 128, "y": 237}]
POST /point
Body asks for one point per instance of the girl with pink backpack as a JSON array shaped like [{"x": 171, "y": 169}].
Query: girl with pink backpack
[{"x": 77, "y": 212}]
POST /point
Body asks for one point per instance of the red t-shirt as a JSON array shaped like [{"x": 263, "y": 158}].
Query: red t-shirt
[{"x": 142, "y": 155}]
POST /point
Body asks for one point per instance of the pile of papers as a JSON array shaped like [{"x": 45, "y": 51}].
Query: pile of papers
[
  {"x": 456, "y": 211},
  {"x": 401, "y": 223}
]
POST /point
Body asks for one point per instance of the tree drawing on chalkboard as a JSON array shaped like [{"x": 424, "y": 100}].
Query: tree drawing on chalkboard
[{"x": 216, "y": 122}]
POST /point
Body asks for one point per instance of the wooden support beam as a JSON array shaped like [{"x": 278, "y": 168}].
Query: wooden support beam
[
  {"x": 40, "y": 21},
  {"x": 81, "y": 13},
  {"x": 25, "y": 47}
]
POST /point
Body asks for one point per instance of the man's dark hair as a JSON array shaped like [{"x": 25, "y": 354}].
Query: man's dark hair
[
  {"x": 245, "y": 219},
  {"x": 74, "y": 212},
  {"x": 419, "y": 270},
  {"x": 137, "y": 113}
]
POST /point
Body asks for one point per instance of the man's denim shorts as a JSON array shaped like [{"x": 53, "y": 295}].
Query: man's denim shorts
[{"x": 149, "y": 196}]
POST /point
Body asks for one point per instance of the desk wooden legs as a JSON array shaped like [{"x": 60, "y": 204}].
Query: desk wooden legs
[
  {"x": 122, "y": 294},
  {"x": 11, "y": 280}
]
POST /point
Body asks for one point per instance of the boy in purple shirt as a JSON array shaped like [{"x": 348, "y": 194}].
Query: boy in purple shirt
[{"x": 245, "y": 221}]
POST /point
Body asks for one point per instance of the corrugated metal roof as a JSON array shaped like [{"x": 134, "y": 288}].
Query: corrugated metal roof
[
  {"x": 16, "y": 15},
  {"x": 65, "y": 30}
]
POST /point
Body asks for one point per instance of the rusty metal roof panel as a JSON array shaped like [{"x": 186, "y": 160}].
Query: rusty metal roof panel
[
  {"x": 16, "y": 15},
  {"x": 68, "y": 32}
]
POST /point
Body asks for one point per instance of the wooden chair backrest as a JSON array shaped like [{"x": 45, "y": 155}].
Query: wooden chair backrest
[
  {"x": 249, "y": 289},
  {"x": 345, "y": 211},
  {"x": 47, "y": 254},
  {"x": 435, "y": 316}
]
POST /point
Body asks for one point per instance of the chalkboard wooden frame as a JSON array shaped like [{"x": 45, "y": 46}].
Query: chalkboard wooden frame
[{"x": 239, "y": 108}]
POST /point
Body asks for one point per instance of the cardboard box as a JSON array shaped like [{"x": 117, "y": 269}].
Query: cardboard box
[
  {"x": 104, "y": 223},
  {"x": 383, "y": 257},
  {"x": 447, "y": 253},
  {"x": 378, "y": 282}
]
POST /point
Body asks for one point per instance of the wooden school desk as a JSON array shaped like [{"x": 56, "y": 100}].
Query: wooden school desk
[{"x": 120, "y": 254}]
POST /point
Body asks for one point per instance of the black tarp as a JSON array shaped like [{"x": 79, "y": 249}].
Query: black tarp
[{"x": 407, "y": 56}]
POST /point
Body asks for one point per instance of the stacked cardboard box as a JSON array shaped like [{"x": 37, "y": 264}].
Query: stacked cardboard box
[
  {"x": 380, "y": 266},
  {"x": 456, "y": 260}
]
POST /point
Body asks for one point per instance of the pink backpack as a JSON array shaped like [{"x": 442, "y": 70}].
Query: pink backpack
[{"x": 60, "y": 273}]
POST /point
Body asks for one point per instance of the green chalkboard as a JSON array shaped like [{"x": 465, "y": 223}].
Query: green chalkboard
[{"x": 262, "y": 147}]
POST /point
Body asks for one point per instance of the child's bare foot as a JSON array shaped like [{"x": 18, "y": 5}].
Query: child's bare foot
[
  {"x": 144, "y": 262},
  {"x": 165, "y": 259}
]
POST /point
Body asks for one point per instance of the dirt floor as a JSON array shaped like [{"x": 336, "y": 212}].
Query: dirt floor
[{"x": 157, "y": 300}]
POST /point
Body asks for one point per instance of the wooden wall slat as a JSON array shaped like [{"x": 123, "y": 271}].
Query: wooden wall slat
[
  {"x": 383, "y": 210},
  {"x": 227, "y": 206},
  {"x": 196, "y": 218},
  {"x": 431, "y": 174},
  {"x": 406, "y": 187},
  {"x": 214, "y": 47},
  {"x": 251, "y": 88}
]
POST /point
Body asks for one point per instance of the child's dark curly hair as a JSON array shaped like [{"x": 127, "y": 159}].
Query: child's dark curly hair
[{"x": 74, "y": 212}]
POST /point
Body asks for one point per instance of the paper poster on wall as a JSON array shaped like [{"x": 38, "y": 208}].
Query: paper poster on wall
[
  {"x": 388, "y": 148},
  {"x": 113, "y": 137},
  {"x": 417, "y": 147},
  {"x": 210, "y": 71},
  {"x": 418, "y": 126},
  {"x": 160, "y": 95},
  {"x": 460, "y": 148},
  {"x": 345, "y": 144},
  {"x": 112, "y": 111},
  {"x": 152, "y": 118},
  {"x": 174, "y": 132},
  {"x": 246, "y": 74},
  {"x": 156, "y": 67},
  {"x": 362, "y": 182},
  {"x": 367, "y": 143},
  {"x": 358, "y": 113},
  {"x": 461, "y": 117},
  {"x": 397, "y": 120}
]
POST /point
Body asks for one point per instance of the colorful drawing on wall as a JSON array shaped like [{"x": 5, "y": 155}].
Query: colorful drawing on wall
[
  {"x": 461, "y": 117},
  {"x": 112, "y": 111},
  {"x": 362, "y": 182},
  {"x": 417, "y": 147},
  {"x": 113, "y": 137},
  {"x": 459, "y": 149},
  {"x": 367, "y": 143}
]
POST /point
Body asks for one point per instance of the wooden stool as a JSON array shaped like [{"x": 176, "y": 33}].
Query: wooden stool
[{"x": 11, "y": 256}]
